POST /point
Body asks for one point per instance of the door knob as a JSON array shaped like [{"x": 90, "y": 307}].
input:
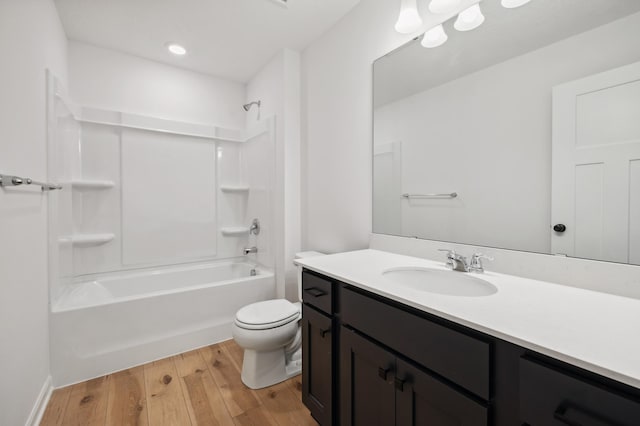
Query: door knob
[{"x": 559, "y": 227}]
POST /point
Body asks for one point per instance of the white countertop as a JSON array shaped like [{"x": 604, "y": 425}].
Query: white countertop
[{"x": 596, "y": 331}]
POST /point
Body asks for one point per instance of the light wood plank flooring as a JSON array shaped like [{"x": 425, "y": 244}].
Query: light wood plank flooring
[{"x": 200, "y": 387}]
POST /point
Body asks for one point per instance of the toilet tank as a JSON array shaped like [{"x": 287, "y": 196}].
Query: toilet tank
[{"x": 304, "y": 255}]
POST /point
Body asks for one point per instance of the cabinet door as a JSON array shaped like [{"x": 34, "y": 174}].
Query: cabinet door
[
  {"x": 317, "y": 365},
  {"x": 366, "y": 382},
  {"x": 424, "y": 400}
]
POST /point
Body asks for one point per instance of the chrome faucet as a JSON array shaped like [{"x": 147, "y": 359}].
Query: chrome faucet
[
  {"x": 248, "y": 250},
  {"x": 476, "y": 263},
  {"x": 456, "y": 262}
]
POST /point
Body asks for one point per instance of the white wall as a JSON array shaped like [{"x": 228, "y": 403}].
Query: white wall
[
  {"x": 31, "y": 39},
  {"x": 277, "y": 86},
  {"x": 454, "y": 141},
  {"x": 107, "y": 79},
  {"x": 337, "y": 126}
]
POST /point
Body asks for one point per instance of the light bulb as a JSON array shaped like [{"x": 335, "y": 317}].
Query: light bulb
[
  {"x": 469, "y": 19},
  {"x": 512, "y": 4},
  {"x": 444, "y": 6},
  {"x": 434, "y": 37},
  {"x": 409, "y": 19}
]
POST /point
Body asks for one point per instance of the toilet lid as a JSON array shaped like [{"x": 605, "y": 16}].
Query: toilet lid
[{"x": 267, "y": 314}]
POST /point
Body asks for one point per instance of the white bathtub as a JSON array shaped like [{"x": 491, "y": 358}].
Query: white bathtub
[{"x": 117, "y": 321}]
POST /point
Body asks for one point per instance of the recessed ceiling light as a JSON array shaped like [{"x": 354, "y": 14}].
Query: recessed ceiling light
[{"x": 176, "y": 49}]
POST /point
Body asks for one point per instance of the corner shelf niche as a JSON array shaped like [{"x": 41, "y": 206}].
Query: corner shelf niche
[
  {"x": 92, "y": 184},
  {"x": 234, "y": 231},
  {"x": 87, "y": 240},
  {"x": 234, "y": 189}
]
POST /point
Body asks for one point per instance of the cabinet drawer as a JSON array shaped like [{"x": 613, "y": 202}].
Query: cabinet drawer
[
  {"x": 316, "y": 291},
  {"x": 455, "y": 356},
  {"x": 549, "y": 396}
]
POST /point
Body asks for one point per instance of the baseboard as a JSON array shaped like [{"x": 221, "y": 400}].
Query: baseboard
[{"x": 41, "y": 403}]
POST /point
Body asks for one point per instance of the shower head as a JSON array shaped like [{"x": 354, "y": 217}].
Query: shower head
[{"x": 248, "y": 106}]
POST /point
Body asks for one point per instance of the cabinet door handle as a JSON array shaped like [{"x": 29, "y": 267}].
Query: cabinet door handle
[
  {"x": 399, "y": 384},
  {"x": 325, "y": 332},
  {"x": 382, "y": 373},
  {"x": 315, "y": 292},
  {"x": 562, "y": 416}
]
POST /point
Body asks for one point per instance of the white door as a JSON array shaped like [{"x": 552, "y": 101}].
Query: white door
[{"x": 596, "y": 166}]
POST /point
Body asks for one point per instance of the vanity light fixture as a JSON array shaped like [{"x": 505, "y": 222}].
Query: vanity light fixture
[
  {"x": 176, "y": 49},
  {"x": 512, "y": 4},
  {"x": 434, "y": 37},
  {"x": 409, "y": 19},
  {"x": 444, "y": 6},
  {"x": 469, "y": 19}
]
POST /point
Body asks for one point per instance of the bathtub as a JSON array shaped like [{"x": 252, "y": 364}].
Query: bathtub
[{"x": 115, "y": 321}]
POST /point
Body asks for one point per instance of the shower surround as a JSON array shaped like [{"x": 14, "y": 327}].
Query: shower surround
[{"x": 146, "y": 238}]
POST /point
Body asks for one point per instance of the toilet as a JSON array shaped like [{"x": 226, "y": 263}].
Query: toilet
[{"x": 270, "y": 334}]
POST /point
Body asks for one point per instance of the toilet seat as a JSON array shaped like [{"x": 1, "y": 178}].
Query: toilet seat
[{"x": 267, "y": 314}]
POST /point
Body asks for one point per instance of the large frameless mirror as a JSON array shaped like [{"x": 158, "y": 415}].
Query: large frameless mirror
[{"x": 521, "y": 134}]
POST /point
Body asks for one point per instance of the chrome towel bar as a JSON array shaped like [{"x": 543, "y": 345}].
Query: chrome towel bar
[
  {"x": 426, "y": 196},
  {"x": 7, "y": 180}
]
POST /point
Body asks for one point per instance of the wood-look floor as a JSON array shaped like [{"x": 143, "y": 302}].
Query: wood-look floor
[{"x": 200, "y": 387}]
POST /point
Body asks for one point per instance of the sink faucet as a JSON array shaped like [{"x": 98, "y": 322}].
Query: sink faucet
[
  {"x": 456, "y": 262},
  {"x": 476, "y": 263},
  {"x": 248, "y": 250}
]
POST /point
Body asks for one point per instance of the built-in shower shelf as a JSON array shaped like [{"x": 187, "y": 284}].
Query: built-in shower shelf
[
  {"x": 234, "y": 189},
  {"x": 86, "y": 240},
  {"x": 234, "y": 231},
  {"x": 92, "y": 184}
]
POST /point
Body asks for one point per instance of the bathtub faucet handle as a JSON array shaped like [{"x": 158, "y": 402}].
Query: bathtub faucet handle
[
  {"x": 248, "y": 250},
  {"x": 255, "y": 227}
]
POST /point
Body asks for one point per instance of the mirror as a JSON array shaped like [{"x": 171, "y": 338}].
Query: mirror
[{"x": 523, "y": 134}]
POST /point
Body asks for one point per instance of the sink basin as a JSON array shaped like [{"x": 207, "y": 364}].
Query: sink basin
[{"x": 451, "y": 283}]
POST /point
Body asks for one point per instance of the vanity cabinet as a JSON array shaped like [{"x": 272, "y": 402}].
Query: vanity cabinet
[{"x": 371, "y": 360}]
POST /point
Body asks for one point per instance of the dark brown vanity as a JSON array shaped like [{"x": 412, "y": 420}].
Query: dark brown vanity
[{"x": 368, "y": 360}]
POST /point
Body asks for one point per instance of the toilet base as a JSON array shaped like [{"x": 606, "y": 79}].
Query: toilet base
[{"x": 261, "y": 369}]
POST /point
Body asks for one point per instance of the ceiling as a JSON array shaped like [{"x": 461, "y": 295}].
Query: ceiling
[
  {"x": 505, "y": 34},
  {"x": 231, "y": 39}
]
